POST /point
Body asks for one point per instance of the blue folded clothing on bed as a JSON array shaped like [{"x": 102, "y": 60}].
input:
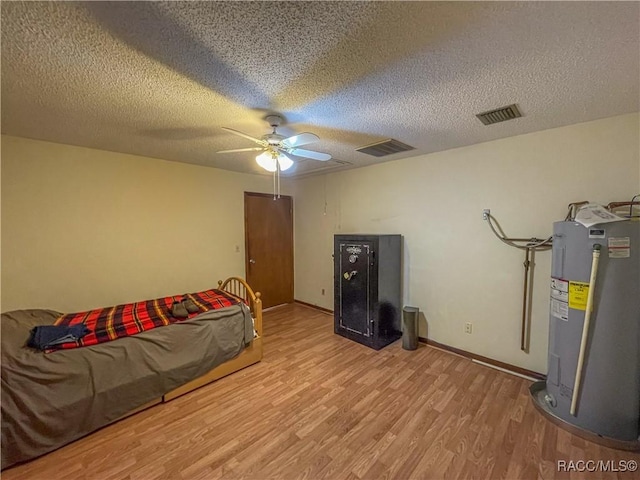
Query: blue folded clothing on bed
[{"x": 46, "y": 336}]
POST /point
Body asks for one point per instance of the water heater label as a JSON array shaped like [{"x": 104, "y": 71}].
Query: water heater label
[
  {"x": 619, "y": 247},
  {"x": 578, "y": 293},
  {"x": 560, "y": 309},
  {"x": 560, "y": 298},
  {"x": 560, "y": 289}
]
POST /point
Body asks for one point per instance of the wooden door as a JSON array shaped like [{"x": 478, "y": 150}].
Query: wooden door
[{"x": 268, "y": 227}]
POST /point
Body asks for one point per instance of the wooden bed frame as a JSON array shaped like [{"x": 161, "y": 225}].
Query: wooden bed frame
[{"x": 251, "y": 354}]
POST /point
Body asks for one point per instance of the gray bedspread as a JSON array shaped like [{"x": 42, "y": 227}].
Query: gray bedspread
[{"x": 49, "y": 400}]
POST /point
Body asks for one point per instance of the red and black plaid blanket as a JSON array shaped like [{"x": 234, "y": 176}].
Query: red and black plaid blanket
[{"x": 111, "y": 323}]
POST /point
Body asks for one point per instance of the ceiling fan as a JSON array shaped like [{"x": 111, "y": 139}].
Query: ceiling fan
[{"x": 276, "y": 148}]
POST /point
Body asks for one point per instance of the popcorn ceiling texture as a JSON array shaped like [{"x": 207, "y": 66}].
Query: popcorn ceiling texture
[{"x": 159, "y": 79}]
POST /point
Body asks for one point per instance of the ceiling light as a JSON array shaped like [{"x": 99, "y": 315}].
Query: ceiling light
[
  {"x": 266, "y": 161},
  {"x": 285, "y": 162}
]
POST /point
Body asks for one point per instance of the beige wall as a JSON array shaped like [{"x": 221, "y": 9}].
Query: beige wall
[
  {"x": 87, "y": 228},
  {"x": 83, "y": 228},
  {"x": 456, "y": 271}
]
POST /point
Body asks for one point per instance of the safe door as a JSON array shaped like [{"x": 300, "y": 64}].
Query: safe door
[{"x": 355, "y": 264}]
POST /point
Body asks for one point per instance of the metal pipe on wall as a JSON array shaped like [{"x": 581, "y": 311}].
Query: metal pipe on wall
[
  {"x": 525, "y": 296},
  {"x": 532, "y": 245},
  {"x": 527, "y": 301}
]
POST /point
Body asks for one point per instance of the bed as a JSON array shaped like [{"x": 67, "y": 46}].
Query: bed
[{"x": 51, "y": 399}]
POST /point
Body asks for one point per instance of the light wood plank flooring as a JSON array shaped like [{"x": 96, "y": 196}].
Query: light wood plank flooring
[{"x": 320, "y": 406}]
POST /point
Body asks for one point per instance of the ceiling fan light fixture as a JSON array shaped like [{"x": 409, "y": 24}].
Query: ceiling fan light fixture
[
  {"x": 285, "y": 162},
  {"x": 266, "y": 161}
]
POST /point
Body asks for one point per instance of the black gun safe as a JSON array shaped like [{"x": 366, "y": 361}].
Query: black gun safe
[{"x": 367, "y": 288}]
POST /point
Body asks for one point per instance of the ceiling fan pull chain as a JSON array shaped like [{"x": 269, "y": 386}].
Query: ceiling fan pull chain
[
  {"x": 278, "y": 170},
  {"x": 274, "y": 184}
]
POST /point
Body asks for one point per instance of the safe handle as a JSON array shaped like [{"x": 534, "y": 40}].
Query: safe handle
[{"x": 349, "y": 275}]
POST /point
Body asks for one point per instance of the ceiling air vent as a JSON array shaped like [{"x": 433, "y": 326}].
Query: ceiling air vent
[
  {"x": 499, "y": 114},
  {"x": 386, "y": 147}
]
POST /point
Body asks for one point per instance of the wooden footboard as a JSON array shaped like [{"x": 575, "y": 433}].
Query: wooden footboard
[
  {"x": 238, "y": 287},
  {"x": 250, "y": 355}
]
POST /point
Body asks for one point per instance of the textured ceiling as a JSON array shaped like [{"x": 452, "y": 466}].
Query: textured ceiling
[{"x": 160, "y": 79}]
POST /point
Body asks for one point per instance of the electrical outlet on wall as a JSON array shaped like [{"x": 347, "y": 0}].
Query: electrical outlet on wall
[
  {"x": 323, "y": 291},
  {"x": 468, "y": 327},
  {"x": 485, "y": 214}
]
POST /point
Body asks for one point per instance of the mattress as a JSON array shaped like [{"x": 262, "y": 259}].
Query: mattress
[{"x": 49, "y": 400}]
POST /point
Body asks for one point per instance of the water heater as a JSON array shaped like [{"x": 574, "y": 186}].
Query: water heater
[{"x": 607, "y": 407}]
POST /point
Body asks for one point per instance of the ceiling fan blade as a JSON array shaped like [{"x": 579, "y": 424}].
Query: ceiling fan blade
[
  {"x": 249, "y": 137},
  {"x": 300, "y": 139},
  {"x": 299, "y": 152},
  {"x": 252, "y": 149}
]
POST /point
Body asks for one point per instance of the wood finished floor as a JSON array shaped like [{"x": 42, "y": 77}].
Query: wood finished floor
[{"x": 320, "y": 406}]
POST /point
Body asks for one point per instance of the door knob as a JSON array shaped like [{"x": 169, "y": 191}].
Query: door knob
[{"x": 251, "y": 260}]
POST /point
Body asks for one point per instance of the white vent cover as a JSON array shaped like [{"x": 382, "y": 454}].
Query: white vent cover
[
  {"x": 386, "y": 147},
  {"x": 498, "y": 115}
]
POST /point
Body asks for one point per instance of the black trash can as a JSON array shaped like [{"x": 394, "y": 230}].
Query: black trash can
[{"x": 410, "y": 328}]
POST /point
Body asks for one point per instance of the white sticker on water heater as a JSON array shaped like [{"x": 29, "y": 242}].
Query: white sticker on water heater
[
  {"x": 560, "y": 289},
  {"x": 560, "y": 298},
  {"x": 619, "y": 247},
  {"x": 560, "y": 309}
]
